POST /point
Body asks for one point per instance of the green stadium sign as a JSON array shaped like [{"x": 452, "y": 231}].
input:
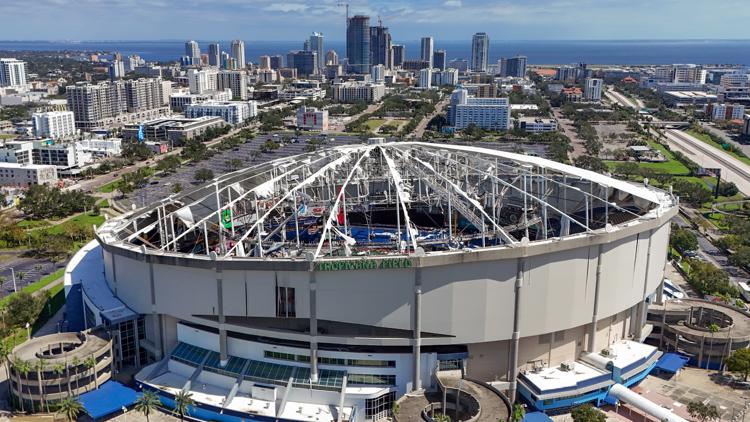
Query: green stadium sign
[{"x": 363, "y": 264}]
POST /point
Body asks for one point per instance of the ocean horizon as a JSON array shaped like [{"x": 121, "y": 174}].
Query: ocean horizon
[{"x": 622, "y": 52}]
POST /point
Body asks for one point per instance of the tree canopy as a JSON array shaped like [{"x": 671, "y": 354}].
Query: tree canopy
[{"x": 42, "y": 201}]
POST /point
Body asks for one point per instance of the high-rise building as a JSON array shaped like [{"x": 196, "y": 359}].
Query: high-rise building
[
  {"x": 133, "y": 62},
  {"x": 193, "y": 51},
  {"x": 12, "y": 72},
  {"x": 54, "y": 124},
  {"x": 332, "y": 58},
  {"x": 265, "y": 62},
  {"x": 203, "y": 80},
  {"x": 234, "y": 80},
  {"x": 304, "y": 61},
  {"x": 440, "y": 60},
  {"x": 214, "y": 55},
  {"x": 426, "y": 49},
  {"x": 398, "y": 53},
  {"x": 425, "y": 78},
  {"x": 116, "y": 69},
  {"x": 516, "y": 67},
  {"x": 462, "y": 65},
  {"x": 485, "y": 113},
  {"x": 93, "y": 103},
  {"x": 238, "y": 53},
  {"x": 316, "y": 45},
  {"x": 480, "y": 48},
  {"x": 277, "y": 62},
  {"x": 380, "y": 46},
  {"x": 358, "y": 44},
  {"x": 377, "y": 73},
  {"x": 593, "y": 89},
  {"x": 689, "y": 73},
  {"x": 502, "y": 67},
  {"x": 145, "y": 94}
]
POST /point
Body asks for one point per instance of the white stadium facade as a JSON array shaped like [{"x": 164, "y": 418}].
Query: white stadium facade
[{"x": 347, "y": 277}]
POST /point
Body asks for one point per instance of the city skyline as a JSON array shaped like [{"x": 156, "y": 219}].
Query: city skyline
[{"x": 445, "y": 20}]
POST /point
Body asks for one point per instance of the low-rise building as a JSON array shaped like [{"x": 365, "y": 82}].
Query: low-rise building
[
  {"x": 537, "y": 124},
  {"x": 68, "y": 157},
  {"x": 178, "y": 101},
  {"x": 688, "y": 98},
  {"x": 573, "y": 94},
  {"x": 311, "y": 118},
  {"x": 725, "y": 111},
  {"x": 353, "y": 91},
  {"x": 54, "y": 124},
  {"x": 173, "y": 129},
  {"x": 16, "y": 152},
  {"x": 24, "y": 175},
  {"x": 100, "y": 148},
  {"x": 233, "y": 112}
]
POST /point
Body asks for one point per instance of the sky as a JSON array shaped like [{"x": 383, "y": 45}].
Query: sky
[{"x": 264, "y": 20}]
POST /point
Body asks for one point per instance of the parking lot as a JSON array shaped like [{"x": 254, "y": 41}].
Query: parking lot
[
  {"x": 32, "y": 270},
  {"x": 249, "y": 153}
]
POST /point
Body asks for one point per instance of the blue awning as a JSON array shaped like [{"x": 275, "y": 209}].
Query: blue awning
[
  {"x": 110, "y": 398},
  {"x": 536, "y": 417},
  {"x": 671, "y": 362}
]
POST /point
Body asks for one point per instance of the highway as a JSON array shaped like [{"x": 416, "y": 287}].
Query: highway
[{"x": 708, "y": 156}]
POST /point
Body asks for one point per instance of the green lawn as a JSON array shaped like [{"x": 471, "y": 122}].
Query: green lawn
[
  {"x": 708, "y": 140},
  {"x": 104, "y": 203},
  {"x": 109, "y": 187},
  {"x": 671, "y": 166},
  {"x": 373, "y": 124},
  {"x": 33, "y": 224},
  {"x": 85, "y": 219},
  {"x": 7, "y": 136}
]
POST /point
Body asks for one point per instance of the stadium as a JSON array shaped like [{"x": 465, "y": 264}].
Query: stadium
[{"x": 326, "y": 286}]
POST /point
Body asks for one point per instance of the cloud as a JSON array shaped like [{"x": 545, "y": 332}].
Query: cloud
[
  {"x": 452, "y": 3},
  {"x": 286, "y": 7}
]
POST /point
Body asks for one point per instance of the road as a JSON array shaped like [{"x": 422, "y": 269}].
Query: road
[
  {"x": 422, "y": 126},
  {"x": 620, "y": 99},
  {"x": 567, "y": 128},
  {"x": 714, "y": 255},
  {"x": 725, "y": 137},
  {"x": 708, "y": 156}
]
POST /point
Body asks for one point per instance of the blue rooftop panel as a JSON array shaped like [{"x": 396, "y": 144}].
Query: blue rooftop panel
[
  {"x": 110, "y": 398},
  {"x": 671, "y": 362}
]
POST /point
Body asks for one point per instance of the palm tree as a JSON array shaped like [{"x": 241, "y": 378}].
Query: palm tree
[
  {"x": 147, "y": 403},
  {"x": 70, "y": 407},
  {"x": 23, "y": 368},
  {"x": 182, "y": 402},
  {"x": 76, "y": 363},
  {"x": 90, "y": 364},
  {"x": 4, "y": 352},
  {"x": 40, "y": 367},
  {"x": 59, "y": 370}
]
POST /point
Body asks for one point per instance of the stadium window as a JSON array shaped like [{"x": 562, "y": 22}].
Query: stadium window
[{"x": 285, "y": 305}]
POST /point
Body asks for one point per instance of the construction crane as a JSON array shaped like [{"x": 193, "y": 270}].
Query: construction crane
[{"x": 344, "y": 4}]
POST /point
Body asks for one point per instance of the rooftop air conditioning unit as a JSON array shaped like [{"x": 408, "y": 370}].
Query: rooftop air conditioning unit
[
  {"x": 567, "y": 366},
  {"x": 608, "y": 353}
]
